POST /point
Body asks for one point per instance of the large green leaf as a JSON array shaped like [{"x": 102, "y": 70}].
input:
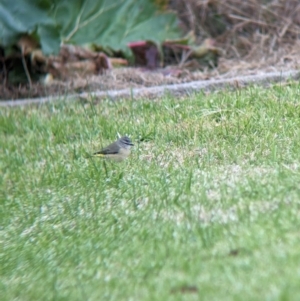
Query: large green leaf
[
  {"x": 105, "y": 23},
  {"x": 25, "y": 16}
]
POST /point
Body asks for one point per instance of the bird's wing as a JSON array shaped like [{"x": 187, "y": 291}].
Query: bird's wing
[{"x": 106, "y": 151}]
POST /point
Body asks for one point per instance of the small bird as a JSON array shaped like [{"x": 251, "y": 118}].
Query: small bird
[{"x": 117, "y": 151}]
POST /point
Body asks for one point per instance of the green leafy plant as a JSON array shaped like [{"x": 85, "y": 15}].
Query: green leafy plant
[{"x": 100, "y": 23}]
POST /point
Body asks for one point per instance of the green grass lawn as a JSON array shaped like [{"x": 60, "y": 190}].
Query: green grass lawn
[{"x": 207, "y": 207}]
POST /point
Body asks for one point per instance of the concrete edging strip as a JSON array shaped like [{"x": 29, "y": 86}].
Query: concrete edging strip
[{"x": 158, "y": 91}]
